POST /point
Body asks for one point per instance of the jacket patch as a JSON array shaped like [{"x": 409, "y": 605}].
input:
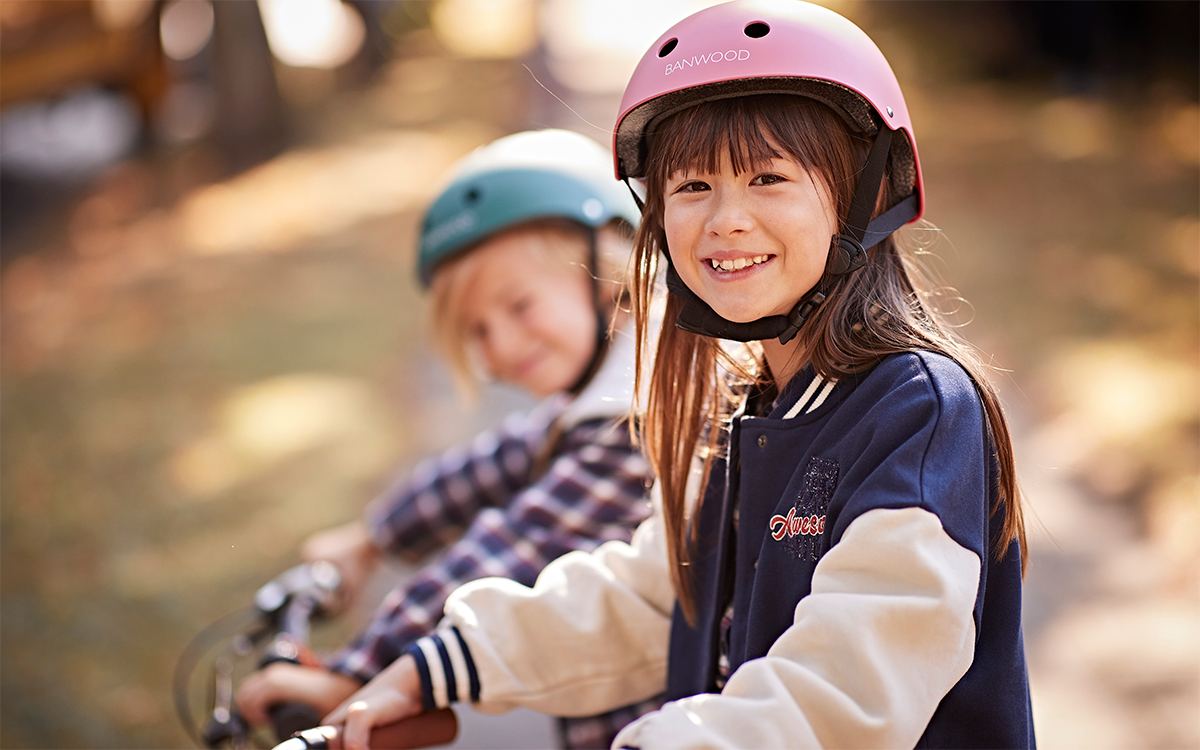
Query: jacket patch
[{"x": 804, "y": 525}]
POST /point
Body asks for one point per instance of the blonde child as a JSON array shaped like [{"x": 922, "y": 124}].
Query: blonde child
[
  {"x": 523, "y": 251},
  {"x": 835, "y": 557}
]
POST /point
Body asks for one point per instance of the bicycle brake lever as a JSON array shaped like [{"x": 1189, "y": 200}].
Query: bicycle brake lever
[{"x": 225, "y": 724}]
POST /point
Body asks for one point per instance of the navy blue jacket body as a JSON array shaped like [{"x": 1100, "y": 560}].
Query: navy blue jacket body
[{"x": 909, "y": 432}]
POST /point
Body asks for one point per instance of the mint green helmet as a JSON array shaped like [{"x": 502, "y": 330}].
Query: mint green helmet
[{"x": 540, "y": 174}]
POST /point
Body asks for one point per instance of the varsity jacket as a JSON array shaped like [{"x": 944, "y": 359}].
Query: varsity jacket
[{"x": 846, "y": 540}]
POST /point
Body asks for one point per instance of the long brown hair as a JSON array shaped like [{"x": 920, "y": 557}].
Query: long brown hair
[{"x": 881, "y": 309}]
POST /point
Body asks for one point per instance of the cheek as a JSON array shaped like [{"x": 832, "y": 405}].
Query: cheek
[
  {"x": 680, "y": 236},
  {"x": 566, "y": 315},
  {"x": 811, "y": 232},
  {"x": 577, "y": 314},
  {"x": 676, "y": 224},
  {"x": 575, "y": 324},
  {"x": 485, "y": 349},
  {"x": 823, "y": 215}
]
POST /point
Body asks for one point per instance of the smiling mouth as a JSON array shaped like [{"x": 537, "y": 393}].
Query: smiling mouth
[
  {"x": 736, "y": 264},
  {"x": 526, "y": 366}
]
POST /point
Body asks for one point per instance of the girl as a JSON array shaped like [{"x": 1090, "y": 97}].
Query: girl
[
  {"x": 521, "y": 250},
  {"x": 835, "y": 554}
]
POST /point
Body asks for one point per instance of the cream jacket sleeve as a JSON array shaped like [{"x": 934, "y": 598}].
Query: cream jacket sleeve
[
  {"x": 884, "y": 635},
  {"x": 590, "y": 636}
]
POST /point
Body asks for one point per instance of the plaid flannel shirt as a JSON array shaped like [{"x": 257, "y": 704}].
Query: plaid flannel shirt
[{"x": 493, "y": 514}]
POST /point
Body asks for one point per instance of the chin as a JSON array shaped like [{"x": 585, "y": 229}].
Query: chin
[
  {"x": 741, "y": 315},
  {"x": 537, "y": 390},
  {"x": 545, "y": 389}
]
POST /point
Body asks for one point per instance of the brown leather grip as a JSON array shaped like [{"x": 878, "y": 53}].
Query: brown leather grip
[{"x": 423, "y": 730}]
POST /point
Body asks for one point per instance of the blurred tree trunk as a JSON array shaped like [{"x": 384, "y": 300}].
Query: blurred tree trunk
[{"x": 250, "y": 122}]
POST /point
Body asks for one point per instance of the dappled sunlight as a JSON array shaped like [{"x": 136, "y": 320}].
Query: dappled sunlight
[
  {"x": 1074, "y": 128},
  {"x": 312, "y": 33},
  {"x": 258, "y": 426},
  {"x": 257, "y": 536},
  {"x": 1124, "y": 422},
  {"x": 1120, "y": 392},
  {"x": 185, "y": 27},
  {"x": 121, "y": 14},
  {"x": 303, "y": 195},
  {"x": 486, "y": 28},
  {"x": 1183, "y": 244},
  {"x": 1180, "y": 124},
  {"x": 591, "y": 44},
  {"x": 1122, "y": 433},
  {"x": 294, "y": 199},
  {"x": 1112, "y": 654},
  {"x": 1111, "y": 613},
  {"x": 1173, "y": 527}
]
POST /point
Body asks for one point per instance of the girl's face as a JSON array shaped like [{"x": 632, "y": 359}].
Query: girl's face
[
  {"x": 529, "y": 314},
  {"x": 749, "y": 244}
]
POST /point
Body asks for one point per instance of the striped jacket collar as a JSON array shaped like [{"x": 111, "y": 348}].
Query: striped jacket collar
[{"x": 804, "y": 394}]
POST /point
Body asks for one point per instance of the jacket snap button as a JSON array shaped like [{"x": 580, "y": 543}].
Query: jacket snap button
[
  {"x": 762, "y": 441},
  {"x": 756, "y": 563}
]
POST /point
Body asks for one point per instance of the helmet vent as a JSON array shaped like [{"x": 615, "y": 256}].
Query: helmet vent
[
  {"x": 472, "y": 195},
  {"x": 757, "y": 30},
  {"x": 667, "y": 48}
]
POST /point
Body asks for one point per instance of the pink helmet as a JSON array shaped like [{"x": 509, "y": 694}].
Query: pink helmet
[
  {"x": 779, "y": 47},
  {"x": 768, "y": 47}
]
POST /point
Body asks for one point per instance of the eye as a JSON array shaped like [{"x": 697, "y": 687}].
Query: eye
[
  {"x": 768, "y": 179},
  {"x": 693, "y": 186},
  {"x": 477, "y": 332}
]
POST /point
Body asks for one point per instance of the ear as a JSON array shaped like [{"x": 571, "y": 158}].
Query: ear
[{"x": 846, "y": 254}]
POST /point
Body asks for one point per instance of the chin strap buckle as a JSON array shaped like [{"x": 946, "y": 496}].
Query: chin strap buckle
[{"x": 799, "y": 314}]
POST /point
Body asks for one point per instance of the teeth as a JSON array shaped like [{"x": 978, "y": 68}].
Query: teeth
[{"x": 736, "y": 264}]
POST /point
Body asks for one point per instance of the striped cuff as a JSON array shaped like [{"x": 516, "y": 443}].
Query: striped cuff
[{"x": 446, "y": 668}]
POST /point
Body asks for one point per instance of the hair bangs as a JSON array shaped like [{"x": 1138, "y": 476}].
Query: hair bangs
[
  {"x": 748, "y": 132},
  {"x": 702, "y": 138}
]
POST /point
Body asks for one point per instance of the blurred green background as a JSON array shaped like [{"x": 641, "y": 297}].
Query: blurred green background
[{"x": 211, "y": 340}]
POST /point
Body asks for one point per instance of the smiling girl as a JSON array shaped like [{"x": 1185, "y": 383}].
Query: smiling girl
[{"x": 835, "y": 557}]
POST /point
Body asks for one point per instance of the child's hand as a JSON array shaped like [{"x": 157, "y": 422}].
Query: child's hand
[
  {"x": 284, "y": 683},
  {"x": 394, "y": 694},
  {"x": 348, "y": 547}
]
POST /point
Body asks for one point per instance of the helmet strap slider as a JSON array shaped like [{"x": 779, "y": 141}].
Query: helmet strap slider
[{"x": 846, "y": 254}]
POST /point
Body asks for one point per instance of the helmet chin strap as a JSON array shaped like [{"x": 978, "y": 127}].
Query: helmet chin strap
[
  {"x": 601, "y": 332},
  {"x": 847, "y": 253},
  {"x": 698, "y": 317}
]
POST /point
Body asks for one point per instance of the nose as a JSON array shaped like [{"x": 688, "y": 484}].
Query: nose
[{"x": 729, "y": 212}]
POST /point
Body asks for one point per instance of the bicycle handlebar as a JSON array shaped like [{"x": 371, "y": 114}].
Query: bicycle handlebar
[
  {"x": 423, "y": 730},
  {"x": 282, "y": 612}
]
